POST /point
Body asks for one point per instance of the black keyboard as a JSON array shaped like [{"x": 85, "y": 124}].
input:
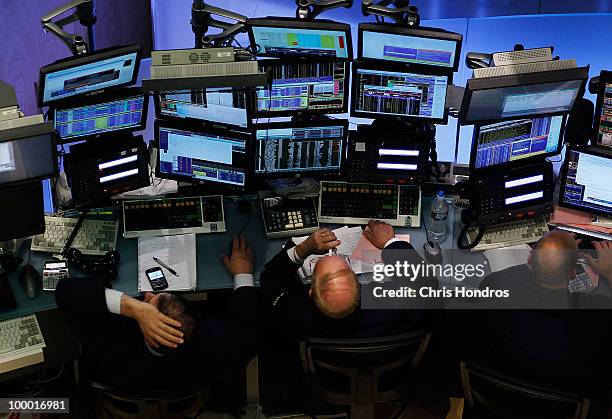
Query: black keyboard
[
  {"x": 154, "y": 217},
  {"x": 357, "y": 203},
  {"x": 7, "y": 298}
]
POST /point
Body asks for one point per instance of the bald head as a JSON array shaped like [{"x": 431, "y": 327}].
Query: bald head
[
  {"x": 553, "y": 260},
  {"x": 334, "y": 287}
]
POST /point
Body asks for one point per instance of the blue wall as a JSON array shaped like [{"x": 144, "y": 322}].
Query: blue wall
[{"x": 585, "y": 37}]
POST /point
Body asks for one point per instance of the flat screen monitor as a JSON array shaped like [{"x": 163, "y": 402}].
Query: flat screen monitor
[
  {"x": 516, "y": 142},
  {"x": 421, "y": 47},
  {"x": 27, "y": 154},
  {"x": 603, "y": 112},
  {"x": 101, "y": 115},
  {"x": 287, "y": 149},
  {"x": 201, "y": 155},
  {"x": 522, "y": 95},
  {"x": 89, "y": 73},
  {"x": 585, "y": 180},
  {"x": 313, "y": 87},
  {"x": 292, "y": 38},
  {"x": 399, "y": 95},
  {"x": 216, "y": 106}
]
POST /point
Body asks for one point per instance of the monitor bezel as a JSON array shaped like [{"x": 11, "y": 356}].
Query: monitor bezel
[
  {"x": 605, "y": 77},
  {"x": 605, "y": 152},
  {"x": 517, "y": 80},
  {"x": 202, "y": 129},
  {"x": 106, "y": 97},
  {"x": 272, "y": 114},
  {"x": 520, "y": 162},
  {"x": 73, "y": 62},
  {"x": 16, "y": 134},
  {"x": 317, "y": 174},
  {"x": 292, "y": 23},
  {"x": 427, "y": 71},
  {"x": 248, "y": 92},
  {"x": 421, "y": 32}
]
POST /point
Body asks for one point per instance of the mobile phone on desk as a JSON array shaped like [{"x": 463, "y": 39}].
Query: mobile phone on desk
[{"x": 156, "y": 278}]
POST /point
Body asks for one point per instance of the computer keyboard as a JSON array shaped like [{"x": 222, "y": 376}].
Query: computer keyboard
[
  {"x": 160, "y": 217},
  {"x": 95, "y": 237},
  {"x": 357, "y": 203},
  {"x": 510, "y": 234},
  {"x": 7, "y": 298},
  {"x": 21, "y": 334}
]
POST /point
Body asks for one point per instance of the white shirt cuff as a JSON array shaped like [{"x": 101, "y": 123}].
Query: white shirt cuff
[
  {"x": 113, "y": 300},
  {"x": 243, "y": 280},
  {"x": 393, "y": 240},
  {"x": 295, "y": 258}
]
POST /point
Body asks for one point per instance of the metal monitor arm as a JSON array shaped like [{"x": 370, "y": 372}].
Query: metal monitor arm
[
  {"x": 310, "y": 9},
  {"x": 202, "y": 19},
  {"x": 85, "y": 13},
  {"x": 401, "y": 12}
]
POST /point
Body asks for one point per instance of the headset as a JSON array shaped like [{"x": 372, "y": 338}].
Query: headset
[{"x": 102, "y": 265}]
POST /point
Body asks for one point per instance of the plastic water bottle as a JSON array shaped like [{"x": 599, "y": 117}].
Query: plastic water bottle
[{"x": 438, "y": 216}]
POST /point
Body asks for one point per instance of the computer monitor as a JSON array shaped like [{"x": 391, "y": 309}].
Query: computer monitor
[
  {"x": 313, "y": 87},
  {"x": 216, "y": 106},
  {"x": 27, "y": 154},
  {"x": 286, "y": 149},
  {"x": 517, "y": 141},
  {"x": 414, "y": 46},
  {"x": 522, "y": 95},
  {"x": 585, "y": 180},
  {"x": 125, "y": 111},
  {"x": 299, "y": 39},
  {"x": 103, "y": 69},
  {"x": 22, "y": 211},
  {"x": 380, "y": 93},
  {"x": 603, "y": 110},
  {"x": 202, "y": 155}
]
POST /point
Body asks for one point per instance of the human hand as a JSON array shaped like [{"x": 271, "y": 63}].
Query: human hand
[
  {"x": 603, "y": 264},
  {"x": 242, "y": 259},
  {"x": 318, "y": 242},
  {"x": 378, "y": 233},
  {"x": 156, "y": 327}
]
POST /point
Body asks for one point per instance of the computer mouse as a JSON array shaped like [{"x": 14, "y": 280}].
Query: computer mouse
[
  {"x": 30, "y": 281},
  {"x": 432, "y": 252}
]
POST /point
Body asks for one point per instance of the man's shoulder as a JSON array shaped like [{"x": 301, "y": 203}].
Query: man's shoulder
[{"x": 512, "y": 275}]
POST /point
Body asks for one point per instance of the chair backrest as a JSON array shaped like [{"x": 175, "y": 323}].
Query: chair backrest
[
  {"x": 362, "y": 372},
  {"x": 489, "y": 394},
  {"x": 178, "y": 404}
]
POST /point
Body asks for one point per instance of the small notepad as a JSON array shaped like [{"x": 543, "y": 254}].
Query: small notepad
[{"x": 178, "y": 252}]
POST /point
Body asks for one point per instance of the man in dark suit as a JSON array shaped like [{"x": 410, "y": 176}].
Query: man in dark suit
[
  {"x": 552, "y": 343},
  {"x": 160, "y": 342},
  {"x": 330, "y": 307}
]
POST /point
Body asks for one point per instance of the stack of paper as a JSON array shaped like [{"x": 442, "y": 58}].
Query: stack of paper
[
  {"x": 178, "y": 252},
  {"x": 581, "y": 222},
  {"x": 359, "y": 253}
]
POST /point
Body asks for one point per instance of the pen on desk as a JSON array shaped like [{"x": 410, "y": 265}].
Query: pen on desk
[{"x": 172, "y": 271}]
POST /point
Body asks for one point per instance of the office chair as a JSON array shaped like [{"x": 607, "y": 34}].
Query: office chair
[
  {"x": 172, "y": 404},
  {"x": 362, "y": 372},
  {"x": 490, "y": 394}
]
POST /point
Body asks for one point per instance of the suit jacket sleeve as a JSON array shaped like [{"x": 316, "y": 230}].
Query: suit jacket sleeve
[
  {"x": 81, "y": 296},
  {"x": 279, "y": 276}
]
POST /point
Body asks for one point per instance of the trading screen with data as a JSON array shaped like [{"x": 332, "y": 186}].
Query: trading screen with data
[
  {"x": 587, "y": 182},
  {"x": 87, "y": 120},
  {"x": 299, "y": 42},
  {"x": 201, "y": 156},
  {"x": 604, "y": 132},
  {"x": 304, "y": 87},
  {"x": 290, "y": 150},
  {"x": 223, "y": 106},
  {"x": 409, "y": 49},
  {"x": 89, "y": 77},
  {"x": 400, "y": 94},
  {"x": 509, "y": 141}
]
